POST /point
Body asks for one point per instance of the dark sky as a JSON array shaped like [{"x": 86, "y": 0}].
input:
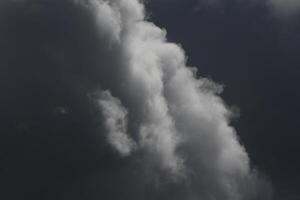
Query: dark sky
[
  {"x": 96, "y": 104},
  {"x": 255, "y": 54}
]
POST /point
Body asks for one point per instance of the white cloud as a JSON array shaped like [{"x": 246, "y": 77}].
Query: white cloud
[
  {"x": 177, "y": 119},
  {"x": 164, "y": 121}
]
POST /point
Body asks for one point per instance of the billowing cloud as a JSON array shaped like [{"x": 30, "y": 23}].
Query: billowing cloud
[
  {"x": 119, "y": 86},
  {"x": 115, "y": 117}
]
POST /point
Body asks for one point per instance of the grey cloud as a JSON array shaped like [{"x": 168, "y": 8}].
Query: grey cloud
[
  {"x": 172, "y": 126},
  {"x": 115, "y": 120},
  {"x": 182, "y": 123}
]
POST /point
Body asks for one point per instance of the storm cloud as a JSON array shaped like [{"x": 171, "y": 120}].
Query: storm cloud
[{"x": 96, "y": 103}]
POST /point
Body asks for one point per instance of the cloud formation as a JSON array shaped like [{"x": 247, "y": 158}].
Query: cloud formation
[
  {"x": 115, "y": 106},
  {"x": 115, "y": 117}
]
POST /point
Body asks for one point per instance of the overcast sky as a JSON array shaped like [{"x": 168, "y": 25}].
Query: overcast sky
[{"x": 151, "y": 100}]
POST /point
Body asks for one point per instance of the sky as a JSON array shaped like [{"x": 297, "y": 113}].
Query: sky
[
  {"x": 144, "y": 100},
  {"x": 252, "y": 47}
]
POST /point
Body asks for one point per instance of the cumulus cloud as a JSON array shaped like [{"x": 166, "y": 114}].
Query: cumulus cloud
[
  {"x": 115, "y": 120},
  {"x": 122, "y": 84}
]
